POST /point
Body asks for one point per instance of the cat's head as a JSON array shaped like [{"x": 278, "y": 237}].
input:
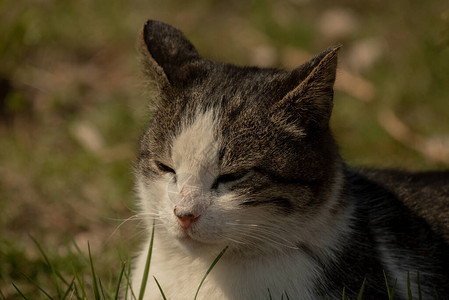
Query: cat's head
[{"x": 237, "y": 156}]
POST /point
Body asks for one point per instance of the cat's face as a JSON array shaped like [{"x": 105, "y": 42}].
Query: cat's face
[{"x": 233, "y": 156}]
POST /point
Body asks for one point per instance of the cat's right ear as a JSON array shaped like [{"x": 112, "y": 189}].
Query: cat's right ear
[
  {"x": 311, "y": 101},
  {"x": 165, "y": 52}
]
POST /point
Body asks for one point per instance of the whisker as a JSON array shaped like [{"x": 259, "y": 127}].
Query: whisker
[
  {"x": 138, "y": 217},
  {"x": 253, "y": 238},
  {"x": 233, "y": 240},
  {"x": 263, "y": 234}
]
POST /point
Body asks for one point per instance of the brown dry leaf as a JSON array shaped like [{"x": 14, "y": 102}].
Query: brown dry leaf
[
  {"x": 337, "y": 23},
  {"x": 354, "y": 85},
  {"x": 435, "y": 149},
  {"x": 88, "y": 136}
]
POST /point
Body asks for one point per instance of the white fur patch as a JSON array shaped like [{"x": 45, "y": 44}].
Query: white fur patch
[
  {"x": 195, "y": 149},
  {"x": 179, "y": 274},
  {"x": 262, "y": 255}
]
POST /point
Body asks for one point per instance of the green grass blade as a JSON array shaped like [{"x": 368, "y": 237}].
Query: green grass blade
[
  {"x": 36, "y": 285},
  {"x": 62, "y": 278},
  {"x": 419, "y": 288},
  {"x": 55, "y": 272},
  {"x": 344, "y": 293},
  {"x": 50, "y": 265},
  {"x": 119, "y": 281},
  {"x": 80, "y": 253},
  {"x": 160, "y": 289},
  {"x": 393, "y": 290},
  {"x": 19, "y": 291},
  {"x": 210, "y": 269},
  {"x": 128, "y": 285},
  {"x": 147, "y": 266},
  {"x": 2, "y": 296},
  {"x": 101, "y": 288},
  {"x": 41, "y": 250},
  {"x": 269, "y": 295},
  {"x": 75, "y": 291},
  {"x": 362, "y": 290},
  {"x": 94, "y": 277},
  {"x": 69, "y": 289},
  {"x": 286, "y": 295},
  {"x": 409, "y": 288},
  {"x": 80, "y": 283},
  {"x": 388, "y": 287}
]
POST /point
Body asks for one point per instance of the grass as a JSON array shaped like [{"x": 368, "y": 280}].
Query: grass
[
  {"x": 393, "y": 289},
  {"x": 147, "y": 266},
  {"x": 76, "y": 288},
  {"x": 210, "y": 269},
  {"x": 73, "y": 104}
]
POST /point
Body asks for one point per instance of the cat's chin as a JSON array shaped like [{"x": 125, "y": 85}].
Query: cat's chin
[
  {"x": 193, "y": 241},
  {"x": 198, "y": 247},
  {"x": 186, "y": 237}
]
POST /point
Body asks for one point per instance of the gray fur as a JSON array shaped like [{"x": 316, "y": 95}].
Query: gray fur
[{"x": 277, "y": 152}]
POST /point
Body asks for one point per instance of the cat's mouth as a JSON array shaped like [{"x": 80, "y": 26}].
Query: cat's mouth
[
  {"x": 185, "y": 234},
  {"x": 191, "y": 235}
]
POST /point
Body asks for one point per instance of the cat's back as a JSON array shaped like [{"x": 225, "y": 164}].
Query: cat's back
[
  {"x": 404, "y": 216},
  {"x": 426, "y": 194}
]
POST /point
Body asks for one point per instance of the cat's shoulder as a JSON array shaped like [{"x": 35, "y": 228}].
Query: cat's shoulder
[
  {"x": 425, "y": 187},
  {"x": 424, "y": 193}
]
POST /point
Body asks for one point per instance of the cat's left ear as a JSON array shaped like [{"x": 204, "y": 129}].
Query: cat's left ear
[
  {"x": 312, "y": 99},
  {"x": 167, "y": 53}
]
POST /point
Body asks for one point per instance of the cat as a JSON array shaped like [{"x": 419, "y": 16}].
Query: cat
[{"x": 243, "y": 157}]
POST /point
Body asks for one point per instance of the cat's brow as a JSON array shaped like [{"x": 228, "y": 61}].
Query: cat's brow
[{"x": 144, "y": 154}]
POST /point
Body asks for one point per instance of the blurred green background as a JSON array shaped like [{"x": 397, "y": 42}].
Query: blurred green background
[{"x": 73, "y": 104}]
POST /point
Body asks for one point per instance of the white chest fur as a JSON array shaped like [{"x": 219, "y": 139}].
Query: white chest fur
[{"x": 180, "y": 272}]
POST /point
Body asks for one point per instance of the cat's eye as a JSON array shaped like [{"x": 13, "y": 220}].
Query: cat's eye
[
  {"x": 225, "y": 178},
  {"x": 164, "y": 168}
]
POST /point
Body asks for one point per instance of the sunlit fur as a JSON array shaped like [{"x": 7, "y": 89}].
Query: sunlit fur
[
  {"x": 247, "y": 154},
  {"x": 264, "y": 246}
]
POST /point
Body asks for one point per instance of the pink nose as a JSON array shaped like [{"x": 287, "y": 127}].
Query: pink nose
[{"x": 185, "y": 219}]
